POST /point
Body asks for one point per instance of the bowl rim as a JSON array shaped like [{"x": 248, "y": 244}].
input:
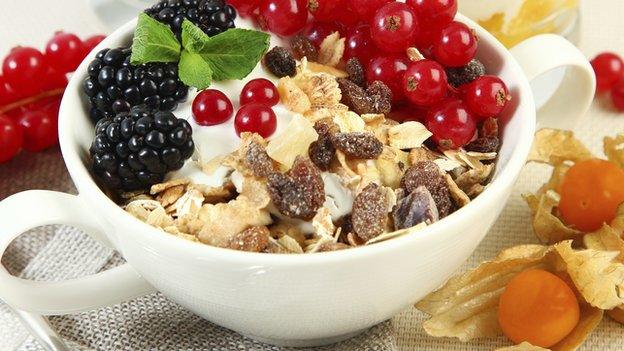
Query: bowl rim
[{"x": 91, "y": 193}]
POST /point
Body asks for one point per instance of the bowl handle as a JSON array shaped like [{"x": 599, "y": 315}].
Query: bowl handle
[
  {"x": 17, "y": 215},
  {"x": 573, "y": 96}
]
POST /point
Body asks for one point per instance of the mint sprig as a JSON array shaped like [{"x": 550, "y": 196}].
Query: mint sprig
[
  {"x": 153, "y": 42},
  {"x": 201, "y": 59}
]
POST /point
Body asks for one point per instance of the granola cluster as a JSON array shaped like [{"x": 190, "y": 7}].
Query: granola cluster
[{"x": 343, "y": 174}]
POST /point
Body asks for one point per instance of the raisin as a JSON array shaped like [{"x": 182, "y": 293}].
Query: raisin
[
  {"x": 331, "y": 246},
  {"x": 489, "y": 128},
  {"x": 363, "y": 145},
  {"x": 416, "y": 208},
  {"x": 429, "y": 175},
  {"x": 257, "y": 159},
  {"x": 484, "y": 145},
  {"x": 370, "y": 215},
  {"x": 458, "y": 76},
  {"x": 303, "y": 47},
  {"x": 355, "y": 97},
  {"x": 355, "y": 70},
  {"x": 300, "y": 192},
  {"x": 254, "y": 239},
  {"x": 381, "y": 89},
  {"x": 280, "y": 62},
  {"x": 322, "y": 151}
]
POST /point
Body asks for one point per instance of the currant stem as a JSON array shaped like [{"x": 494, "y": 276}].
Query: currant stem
[{"x": 31, "y": 99}]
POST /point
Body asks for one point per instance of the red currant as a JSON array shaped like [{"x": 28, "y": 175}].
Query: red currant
[
  {"x": 40, "y": 130},
  {"x": 434, "y": 13},
  {"x": 11, "y": 139},
  {"x": 54, "y": 80},
  {"x": 283, "y": 17},
  {"x": 323, "y": 10},
  {"x": 212, "y": 107},
  {"x": 408, "y": 113},
  {"x": 366, "y": 8},
  {"x": 344, "y": 14},
  {"x": 256, "y": 118},
  {"x": 23, "y": 68},
  {"x": 394, "y": 27},
  {"x": 7, "y": 94},
  {"x": 425, "y": 82},
  {"x": 245, "y": 7},
  {"x": 359, "y": 44},
  {"x": 455, "y": 45},
  {"x": 64, "y": 52},
  {"x": 609, "y": 69},
  {"x": 452, "y": 125},
  {"x": 261, "y": 91},
  {"x": 390, "y": 71},
  {"x": 316, "y": 32},
  {"x": 91, "y": 42},
  {"x": 486, "y": 96},
  {"x": 617, "y": 95}
]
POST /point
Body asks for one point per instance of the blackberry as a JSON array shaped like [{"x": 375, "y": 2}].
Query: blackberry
[
  {"x": 134, "y": 150},
  {"x": 212, "y": 16},
  {"x": 463, "y": 75},
  {"x": 114, "y": 85}
]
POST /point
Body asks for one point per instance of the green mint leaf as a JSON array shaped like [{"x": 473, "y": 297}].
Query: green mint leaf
[
  {"x": 194, "y": 70},
  {"x": 153, "y": 42},
  {"x": 232, "y": 54},
  {"x": 193, "y": 38}
]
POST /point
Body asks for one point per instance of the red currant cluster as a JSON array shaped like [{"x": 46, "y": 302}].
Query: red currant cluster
[
  {"x": 609, "y": 70},
  {"x": 212, "y": 107},
  {"x": 378, "y": 33},
  {"x": 31, "y": 86}
]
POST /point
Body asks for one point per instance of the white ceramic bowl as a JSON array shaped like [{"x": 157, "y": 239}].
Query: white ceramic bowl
[{"x": 299, "y": 300}]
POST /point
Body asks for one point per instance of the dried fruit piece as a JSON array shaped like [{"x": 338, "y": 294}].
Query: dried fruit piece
[
  {"x": 377, "y": 99},
  {"x": 303, "y": 47},
  {"x": 463, "y": 75},
  {"x": 363, "y": 145},
  {"x": 418, "y": 207},
  {"x": 280, "y": 62},
  {"x": 355, "y": 70},
  {"x": 322, "y": 151},
  {"x": 484, "y": 145},
  {"x": 379, "y": 88},
  {"x": 254, "y": 239},
  {"x": 300, "y": 192},
  {"x": 257, "y": 160},
  {"x": 429, "y": 175},
  {"x": 370, "y": 212},
  {"x": 489, "y": 129},
  {"x": 295, "y": 141}
]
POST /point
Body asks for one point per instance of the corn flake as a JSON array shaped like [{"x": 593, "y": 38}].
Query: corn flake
[
  {"x": 408, "y": 135},
  {"x": 331, "y": 50}
]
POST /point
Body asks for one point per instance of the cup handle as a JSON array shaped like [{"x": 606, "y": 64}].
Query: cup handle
[
  {"x": 17, "y": 215},
  {"x": 571, "y": 100}
]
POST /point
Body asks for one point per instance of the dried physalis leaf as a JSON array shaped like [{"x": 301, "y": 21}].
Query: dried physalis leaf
[
  {"x": 254, "y": 239},
  {"x": 415, "y": 208},
  {"x": 525, "y": 346},
  {"x": 370, "y": 213},
  {"x": 554, "y": 146},
  {"x": 332, "y": 49},
  {"x": 295, "y": 141},
  {"x": 466, "y": 307},
  {"x": 605, "y": 239},
  {"x": 408, "y": 135},
  {"x": 319, "y": 68},
  {"x": 548, "y": 227},
  {"x": 614, "y": 149},
  {"x": 618, "y": 222},
  {"x": 360, "y": 145},
  {"x": 292, "y": 96},
  {"x": 597, "y": 275},
  {"x": 429, "y": 175},
  {"x": 300, "y": 193}
]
